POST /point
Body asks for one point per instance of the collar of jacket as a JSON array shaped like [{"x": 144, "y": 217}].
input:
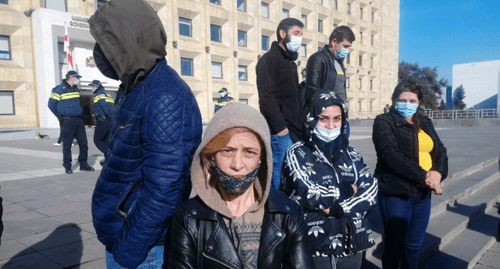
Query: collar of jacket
[
  {"x": 398, "y": 119},
  {"x": 283, "y": 52},
  {"x": 327, "y": 50},
  {"x": 274, "y": 204}
]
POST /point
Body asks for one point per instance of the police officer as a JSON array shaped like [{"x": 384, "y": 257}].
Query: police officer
[
  {"x": 223, "y": 100},
  {"x": 64, "y": 102},
  {"x": 103, "y": 106}
]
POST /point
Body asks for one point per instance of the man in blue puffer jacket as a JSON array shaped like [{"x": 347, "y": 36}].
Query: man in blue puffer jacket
[{"x": 156, "y": 128}]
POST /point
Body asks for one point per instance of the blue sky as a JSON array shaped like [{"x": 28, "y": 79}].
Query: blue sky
[{"x": 441, "y": 33}]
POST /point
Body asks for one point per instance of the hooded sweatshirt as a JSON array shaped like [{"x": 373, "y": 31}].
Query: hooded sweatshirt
[
  {"x": 245, "y": 230},
  {"x": 318, "y": 175}
]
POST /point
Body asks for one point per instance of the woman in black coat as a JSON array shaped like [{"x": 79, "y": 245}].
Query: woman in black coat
[{"x": 411, "y": 163}]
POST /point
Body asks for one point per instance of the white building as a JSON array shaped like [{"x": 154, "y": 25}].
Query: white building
[{"x": 481, "y": 80}]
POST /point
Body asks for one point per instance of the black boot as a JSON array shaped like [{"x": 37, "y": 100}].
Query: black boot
[
  {"x": 69, "y": 171},
  {"x": 86, "y": 167}
]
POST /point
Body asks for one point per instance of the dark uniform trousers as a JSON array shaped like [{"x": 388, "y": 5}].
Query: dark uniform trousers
[
  {"x": 71, "y": 128},
  {"x": 101, "y": 133}
]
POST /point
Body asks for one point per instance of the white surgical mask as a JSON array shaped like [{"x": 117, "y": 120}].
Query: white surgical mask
[
  {"x": 222, "y": 94},
  {"x": 325, "y": 134},
  {"x": 294, "y": 44},
  {"x": 77, "y": 81}
]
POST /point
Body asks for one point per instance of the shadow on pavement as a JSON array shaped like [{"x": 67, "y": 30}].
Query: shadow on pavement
[{"x": 63, "y": 248}]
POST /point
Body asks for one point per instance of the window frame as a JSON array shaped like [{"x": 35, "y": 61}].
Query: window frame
[
  {"x": 221, "y": 73},
  {"x": 283, "y": 12},
  {"x": 190, "y": 26},
  {"x": 13, "y": 103},
  {"x": 348, "y": 8},
  {"x": 264, "y": 6},
  {"x": 9, "y": 48},
  {"x": 215, "y": 2},
  {"x": 262, "y": 43},
  {"x": 219, "y": 27},
  {"x": 360, "y": 60},
  {"x": 246, "y": 72},
  {"x": 244, "y": 9},
  {"x": 245, "y": 38},
  {"x": 320, "y": 26},
  {"x": 303, "y": 50},
  {"x": 303, "y": 19},
  {"x": 191, "y": 61}
]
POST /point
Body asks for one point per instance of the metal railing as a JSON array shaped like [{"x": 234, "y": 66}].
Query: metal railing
[{"x": 437, "y": 114}]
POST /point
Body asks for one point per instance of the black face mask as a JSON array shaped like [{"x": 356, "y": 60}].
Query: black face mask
[{"x": 103, "y": 64}]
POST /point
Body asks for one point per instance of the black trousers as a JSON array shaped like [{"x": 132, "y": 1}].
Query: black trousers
[
  {"x": 71, "y": 128},
  {"x": 101, "y": 135}
]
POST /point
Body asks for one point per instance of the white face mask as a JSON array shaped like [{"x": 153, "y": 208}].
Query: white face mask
[
  {"x": 325, "y": 134},
  {"x": 77, "y": 81},
  {"x": 222, "y": 94},
  {"x": 294, "y": 44}
]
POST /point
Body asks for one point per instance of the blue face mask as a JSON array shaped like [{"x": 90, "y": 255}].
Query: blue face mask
[
  {"x": 406, "y": 110},
  {"x": 325, "y": 134},
  {"x": 342, "y": 53}
]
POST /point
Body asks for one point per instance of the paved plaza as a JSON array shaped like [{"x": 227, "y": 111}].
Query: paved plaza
[{"x": 47, "y": 215}]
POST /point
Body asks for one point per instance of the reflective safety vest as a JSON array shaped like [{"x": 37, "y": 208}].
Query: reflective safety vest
[{"x": 65, "y": 100}]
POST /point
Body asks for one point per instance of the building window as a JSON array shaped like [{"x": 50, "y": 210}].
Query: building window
[
  {"x": 371, "y": 84},
  {"x": 242, "y": 5},
  {"x": 285, "y": 13},
  {"x": 187, "y": 67},
  {"x": 7, "y": 103},
  {"x": 373, "y": 17},
  {"x": 371, "y": 62},
  {"x": 320, "y": 26},
  {"x": 217, "y": 2},
  {"x": 303, "y": 50},
  {"x": 264, "y": 10},
  {"x": 360, "y": 81},
  {"x": 100, "y": 3},
  {"x": 4, "y": 2},
  {"x": 347, "y": 83},
  {"x": 361, "y": 37},
  {"x": 335, "y": 26},
  {"x": 348, "y": 59},
  {"x": 242, "y": 38},
  {"x": 5, "y": 48},
  {"x": 359, "y": 106},
  {"x": 243, "y": 101},
  {"x": 360, "y": 12},
  {"x": 335, "y": 4},
  {"x": 216, "y": 70},
  {"x": 360, "y": 60},
  {"x": 215, "y": 33},
  {"x": 320, "y": 2},
  {"x": 185, "y": 27},
  {"x": 59, "y": 5},
  {"x": 63, "y": 59},
  {"x": 303, "y": 19},
  {"x": 372, "y": 39},
  {"x": 242, "y": 73},
  {"x": 265, "y": 43},
  {"x": 349, "y": 8}
]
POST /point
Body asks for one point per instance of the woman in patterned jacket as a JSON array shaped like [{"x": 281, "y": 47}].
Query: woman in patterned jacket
[{"x": 330, "y": 180}]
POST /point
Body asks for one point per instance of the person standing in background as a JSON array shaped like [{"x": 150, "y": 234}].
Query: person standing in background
[
  {"x": 223, "y": 100},
  {"x": 279, "y": 94},
  {"x": 103, "y": 108}
]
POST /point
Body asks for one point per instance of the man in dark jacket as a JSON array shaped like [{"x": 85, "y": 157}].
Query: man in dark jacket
[
  {"x": 325, "y": 68},
  {"x": 223, "y": 100},
  {"x": 64, "y": 102},
  {"x": 156, "y": 128},
  {"x": 278, "y": 87},
  {"x": 103, "y": 107}
]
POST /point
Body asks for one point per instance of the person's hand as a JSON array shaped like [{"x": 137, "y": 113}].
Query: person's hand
[
  {"x": 284, "y": 132},
  {"x": 355, "y": 189},
  {"x": 438, "y": 190},
  {"x": 433, "y": 181}
]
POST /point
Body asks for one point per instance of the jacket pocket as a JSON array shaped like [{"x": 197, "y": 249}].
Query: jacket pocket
[{"x": 128, "y": 202}]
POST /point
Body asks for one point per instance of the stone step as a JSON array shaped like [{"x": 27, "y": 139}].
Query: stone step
[
  {"x": 454, "y": 192},
  {"x": 449, "y": 224},
  {"x": 466, "y": 248}
]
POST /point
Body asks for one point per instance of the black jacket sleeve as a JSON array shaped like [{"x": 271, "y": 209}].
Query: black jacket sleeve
[{"x": 315, "y": 67}]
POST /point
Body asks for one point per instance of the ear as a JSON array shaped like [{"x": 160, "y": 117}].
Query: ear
[
  {"x": 334, "y": 41},
  {"x": 282, "y": 34}
]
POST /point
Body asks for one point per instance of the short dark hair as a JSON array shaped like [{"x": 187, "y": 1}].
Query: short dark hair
[
  {"x": 340, "y": 33},
  {"x": 286, "y": 24}
]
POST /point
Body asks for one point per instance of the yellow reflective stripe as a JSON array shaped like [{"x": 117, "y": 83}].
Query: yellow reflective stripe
[
  {"x": 70, "y": 95},
  {"x": 55, "y": 96},
  {"x": 224, "y": 103},
  {"x": 340, "y": 73},
  {"x": 110, "y": 99},
  {"x": 99, "y": 97}
]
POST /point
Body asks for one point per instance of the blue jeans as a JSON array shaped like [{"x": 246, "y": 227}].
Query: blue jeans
[
  {"x": 279, "y": 145},
  {"x": 153, "y": 261},
  {"x": 405, "y": 222}
]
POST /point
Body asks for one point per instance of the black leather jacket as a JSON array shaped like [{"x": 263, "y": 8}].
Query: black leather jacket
[
  {"x": 396, "y": 143},
  {"x": 321, "y": 74},
  {"x": 201, "y": 240}
]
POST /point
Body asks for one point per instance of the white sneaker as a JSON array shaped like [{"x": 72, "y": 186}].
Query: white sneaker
[{"x": 57, "y": 144}]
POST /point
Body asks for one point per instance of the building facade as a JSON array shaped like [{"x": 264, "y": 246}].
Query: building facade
[
  {"x": 211, "y": 44},
  {"x": 481, "y": 80}
]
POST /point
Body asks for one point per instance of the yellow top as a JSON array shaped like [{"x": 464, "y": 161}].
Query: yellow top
[{"x": 425, "y": 146}]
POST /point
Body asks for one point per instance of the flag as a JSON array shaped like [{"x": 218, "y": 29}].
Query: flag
[{"x": 67, "y": 47}]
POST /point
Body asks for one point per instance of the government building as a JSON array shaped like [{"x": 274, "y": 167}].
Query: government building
[{"x": 211, "y": 44}]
